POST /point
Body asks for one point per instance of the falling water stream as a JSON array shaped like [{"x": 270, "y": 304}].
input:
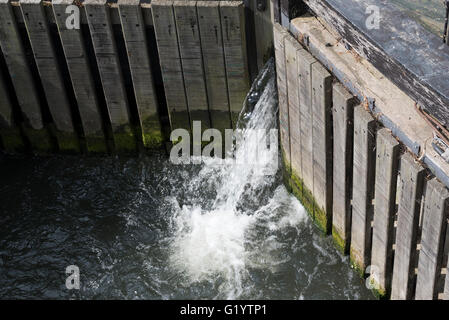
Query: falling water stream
[{"x": 145, "y": 228}]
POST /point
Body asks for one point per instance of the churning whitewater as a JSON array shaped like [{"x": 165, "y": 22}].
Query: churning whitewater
[
  {"x": 146, "y": 228},
  {"x": 216, "y": 239}
]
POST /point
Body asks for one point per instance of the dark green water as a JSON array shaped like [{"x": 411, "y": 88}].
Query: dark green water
[
  {"x": 112, "y": 218},
  {"x": 145, "y": 228}
]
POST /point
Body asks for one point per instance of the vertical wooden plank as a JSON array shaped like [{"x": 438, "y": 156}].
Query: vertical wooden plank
[
  {"x": 22, "y": 79},
  {"x": 446, "y": 281},
  {"x": 275, "y": 7},
  {"x": 305, "y": 61},
  {"x": 322, "y": 146},
  {"x": 412, "y": 181},
  {"x": 363, "y": 188},
  {"x": 192, "y": 61},
  {"x": 6, "y": 117},
  {"x": 292, "y": 77},
  {"x": 100, "y": 26},
  {"x": 434, "y": 225},
  {"x": 249, "y": 11},
  {"x": 9, "y": 132},
  {"x": 214, "y": 64},
  {"x": 234, "y": 41},
  {"x": 387, "y": 153},
  {"x": 284, "y": 16},
  {"x": 147, "y": 16},
  {"x": 50, "y": 74},
  {"x": 82, "y": 81},
  {"x": 279, "y": 36},
  {"x": 134, "y": 34},
  {"x": 170, "y": 62},
  {"x": 343, "y": 111},
  {"x": 263, "y": 32},
  {"x": 285, "y": 13}
]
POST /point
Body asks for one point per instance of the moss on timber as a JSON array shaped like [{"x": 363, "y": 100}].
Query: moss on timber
[
  {"x": 96, "y": 143},
  {"x": 340, "y": 243},
  {"x": 379, "y": 293},
  {"x": 40, "y": 140},
  {"x": 296, "y": 186},
  {"x": 12, "y": 140},
  {"x": 358, "y": 266},
  {"x": 67, "y": 141},
  {"x": 321, "y": 219},
  {"x": 124, "y": 139},
  {"x": 286, "y": 172},
  {"x": 152, "y": 135},
  {"x": 153, "y": 139}
]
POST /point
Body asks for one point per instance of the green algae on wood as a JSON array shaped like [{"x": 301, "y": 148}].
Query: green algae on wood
[
  {"x": 124, "y": 139},
  {"x": 96, "y": 143},
  {"x": 378, "y": 292},
  {"x": 321, "y": 219},
  {"x": 286, "y": 171},
  {"x": 355, "y": 263},
  {"x": 40, "y": 140},
  {"x": 152, "y": 135},
  {"x": 296, "y": 186},
  {"x": 12, "y": 140},
  {"x": 339, "y": 242},
  {"x": 67, "y": 141}
]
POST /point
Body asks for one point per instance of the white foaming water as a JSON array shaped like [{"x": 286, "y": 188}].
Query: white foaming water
[{"x": 221, "y": 240}]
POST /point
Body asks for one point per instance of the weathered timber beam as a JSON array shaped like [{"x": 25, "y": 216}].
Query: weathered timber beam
[
  {"x": 390, "y": 105},
  {"x": 410, "y": 56}
]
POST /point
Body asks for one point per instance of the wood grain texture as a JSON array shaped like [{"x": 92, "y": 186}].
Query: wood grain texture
[
  {"x": 434, "y": 225},
  {"x": 280, "y": 34},
  {"x": 410, "y": 56},
  {"x": 412, "y": 187},
  {"x": 81, "y": 77},
  {"x": 387, "y": 161},
  {"x": 50, "y": 73},
  {"x": 305, "y": 62},
  {"x": 362, "y": 187},
  {"x": 170, "y": 61},
  {"x": 10, "y": 135},
  {"x": 214, "y": 64},
  {"x": 390, "y": 105},
  {"x": 15, "y": 58},
  {"x": 100, "y": 26},
  {"x": 190, "y": 50},
  {"x": 292, "y": 77},
  {"x": 322, "y": 146},
  {"x": 234, "y": 42},
  {"x": 343, "y": 110},
  {"x": 135, "y": 37},
  {"x": 263, "y": 34}
]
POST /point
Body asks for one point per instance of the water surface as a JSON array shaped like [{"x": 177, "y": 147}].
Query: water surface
[
  {"x": 429, "y": 13},
  {"x": 144, "y": 228}
]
